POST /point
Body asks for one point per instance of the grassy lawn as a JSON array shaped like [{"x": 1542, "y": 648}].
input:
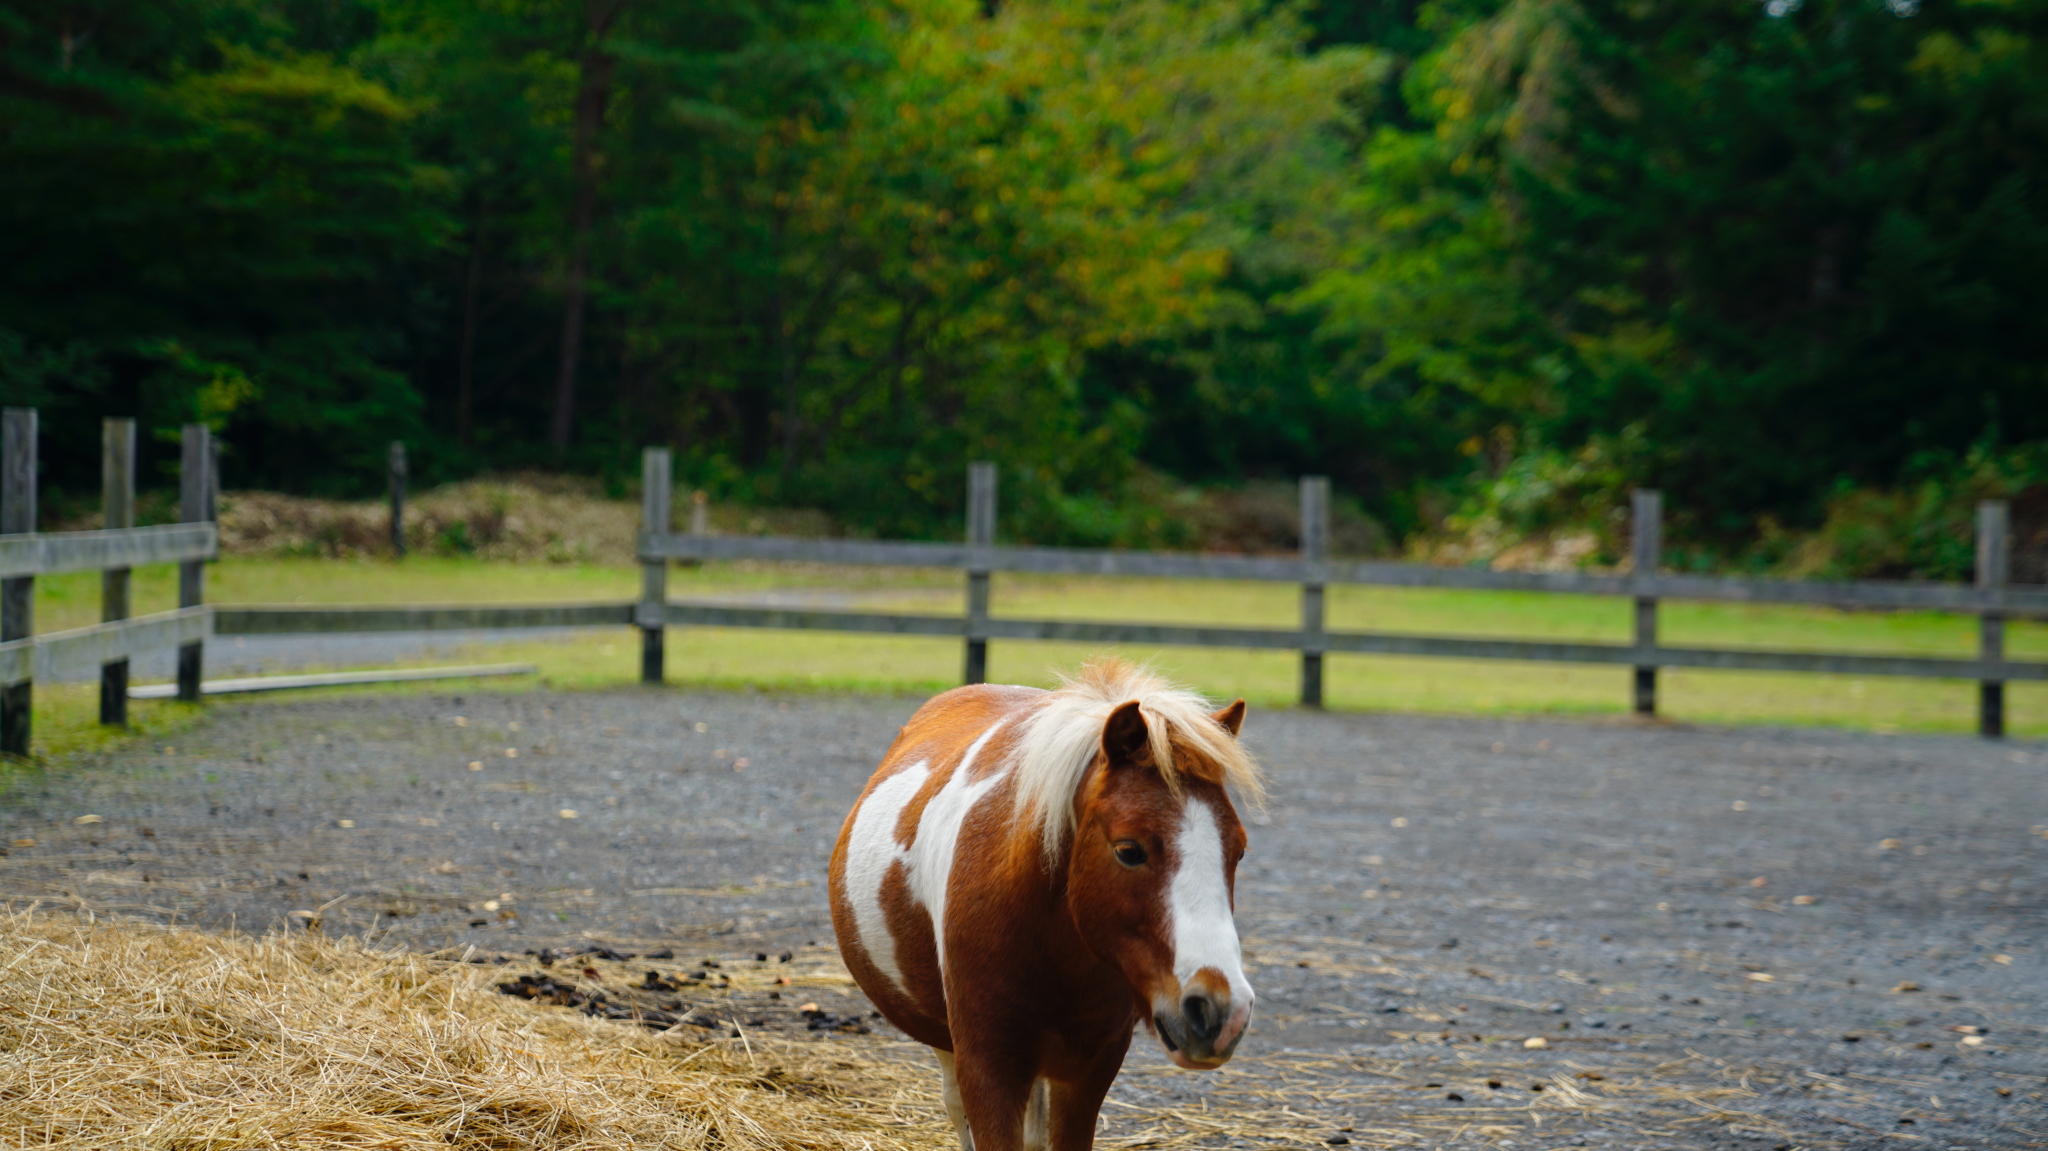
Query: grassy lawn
[{"x": 826, "y": 661}]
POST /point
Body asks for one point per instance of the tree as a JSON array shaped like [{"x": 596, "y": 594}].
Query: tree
[
  {"x": 1771, "y": 248},
  {"x": 208, "y": 227},
  {"x": 1014, "y": 197}
]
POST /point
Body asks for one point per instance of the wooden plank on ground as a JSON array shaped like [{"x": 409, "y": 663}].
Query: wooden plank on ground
[{"x": 335, "y": 679}]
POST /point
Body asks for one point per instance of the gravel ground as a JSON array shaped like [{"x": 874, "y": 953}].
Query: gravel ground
[{"x": 1722, "y": 938}]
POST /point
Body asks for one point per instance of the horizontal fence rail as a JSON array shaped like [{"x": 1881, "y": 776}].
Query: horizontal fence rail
[
  {"x": 49, "y": 552},
  {"x": 267, "y": 620},
  {"x": 677, "y": 614},
  {"x": 1287, "y": 569},
  {"x": 57, "y": 654},
  {"x": 264, "y": 619}
]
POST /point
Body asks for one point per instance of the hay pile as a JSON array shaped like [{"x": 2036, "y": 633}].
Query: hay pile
[
  {"x": 133, "y": 1035},
  {"x": 118, "y": 1034}
]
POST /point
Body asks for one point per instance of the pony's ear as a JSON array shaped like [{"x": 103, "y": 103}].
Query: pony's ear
[
  {"x": 1232, "y": 717},
  {"x": 1125, "y": 738}
]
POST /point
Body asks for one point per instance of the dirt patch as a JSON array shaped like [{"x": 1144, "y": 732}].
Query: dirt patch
[{"x": 758, "y": 993}]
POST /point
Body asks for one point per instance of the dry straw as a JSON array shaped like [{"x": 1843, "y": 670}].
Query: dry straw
[
  {"x": 126, "y": 1035},
  {"x": 132, "y": 1035}
]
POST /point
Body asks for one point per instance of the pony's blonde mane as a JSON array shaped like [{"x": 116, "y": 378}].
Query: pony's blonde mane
[{"x": 1062, "y": 737}]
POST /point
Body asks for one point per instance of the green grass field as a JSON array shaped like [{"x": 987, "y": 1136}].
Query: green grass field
[{"x": 826, "y": 661}]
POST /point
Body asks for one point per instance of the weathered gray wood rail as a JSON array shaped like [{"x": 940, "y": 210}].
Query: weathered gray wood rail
[
  {"x": 268, "y": 619},
  {"x": 66, "y": 653},
  {"x": 1288, "y": 569},
  {"x": 248, "y": 685},
  {"x": 1361, "y": 643},
  {"x": 35, "y": 554}
]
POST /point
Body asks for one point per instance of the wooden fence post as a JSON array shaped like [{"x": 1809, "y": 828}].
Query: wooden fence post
[
  {"x": 1315, "y": 547},
  {"x": 981, "y": 533},
  {"x": 700, "y": 522},
  {"x": 398, "y": 475},
  {"x": 195, "y": 505},
  {"x": 117, "y": 510},
  {"x": 1994, "y": 563},
  {"x": 1647, "y": 547},
  {"x": 17, "y": 596},
  {"x": 656, "y": 485}
]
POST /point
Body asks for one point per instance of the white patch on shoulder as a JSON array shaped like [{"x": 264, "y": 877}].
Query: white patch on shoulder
[
  {"x": 938, "y": 836},
  {"x": 1204, "y": 934},
  {"x": 870, "y": 850}
]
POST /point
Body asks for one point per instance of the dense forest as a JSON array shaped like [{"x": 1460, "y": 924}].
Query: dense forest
[{"x": 1487, "y": 263}]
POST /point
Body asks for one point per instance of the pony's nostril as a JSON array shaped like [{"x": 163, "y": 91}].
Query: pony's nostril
[{"x": 1203, "y": 1018}]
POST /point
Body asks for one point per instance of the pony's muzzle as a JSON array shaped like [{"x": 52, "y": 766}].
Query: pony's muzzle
[{"x": 1201, "y": 1029}]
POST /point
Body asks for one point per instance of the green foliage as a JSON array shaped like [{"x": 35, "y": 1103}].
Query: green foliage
[
  {"x": 198, "y": 223},
  {"x": 1787, "y": 247},
  {"x": 1574, "y": 499},
  {"x": 1487, "y": 263},
  {"x": 1015, "y": 196},
  {"x": 1925, "y": 528}
]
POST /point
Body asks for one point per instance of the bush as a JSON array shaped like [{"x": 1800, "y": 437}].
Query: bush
[
  {"x": 1927, "y": 528},
  {"x": 1540, "y": 508}
]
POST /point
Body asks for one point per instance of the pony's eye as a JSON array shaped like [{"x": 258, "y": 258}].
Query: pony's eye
[{"x": 1130, "y": 853}]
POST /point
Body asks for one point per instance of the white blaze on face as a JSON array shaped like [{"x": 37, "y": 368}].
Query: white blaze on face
[
  {"x": 1198, "y": 899},
  {"x": 870, "y": 850}
]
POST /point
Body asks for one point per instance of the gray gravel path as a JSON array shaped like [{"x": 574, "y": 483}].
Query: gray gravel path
[{"x": 1724, "y": 938}]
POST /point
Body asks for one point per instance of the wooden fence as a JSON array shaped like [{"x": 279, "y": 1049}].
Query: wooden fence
[
  {"x": 979, "y": 558},
  {"x": 24, "y": 555},
  {"x": 115, "y": 550},
  {"x": 1991, "y": 599}
]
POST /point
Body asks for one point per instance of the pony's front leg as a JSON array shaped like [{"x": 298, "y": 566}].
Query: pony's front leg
[
  {"x": 997, "y": 1093},
  {"x": 1073, "y": 1108}
]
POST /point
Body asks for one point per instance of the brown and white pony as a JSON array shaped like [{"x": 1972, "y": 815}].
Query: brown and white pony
[{"x": 1031, "y": 874}]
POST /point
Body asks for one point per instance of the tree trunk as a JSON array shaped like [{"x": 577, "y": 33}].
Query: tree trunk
[
  {"x": 465, "y": 368},
  {"x": 593, "y": 91},
  {"x": 786, "y": 359}
]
